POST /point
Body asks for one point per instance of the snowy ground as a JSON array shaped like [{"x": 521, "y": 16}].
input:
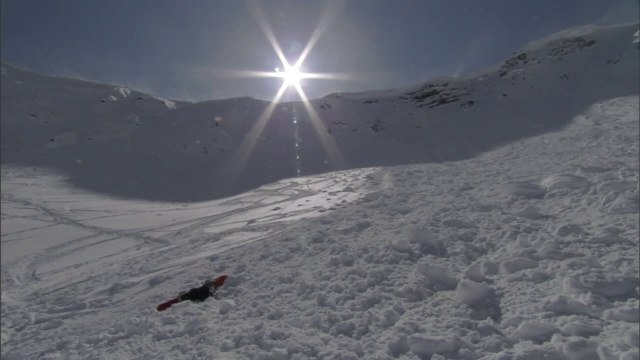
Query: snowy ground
[
  {"x": 526, "y": 251},
  {"x": 529, "y": 251}
]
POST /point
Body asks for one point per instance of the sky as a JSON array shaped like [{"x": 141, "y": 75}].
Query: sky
[{"x": 206, "y": 49}]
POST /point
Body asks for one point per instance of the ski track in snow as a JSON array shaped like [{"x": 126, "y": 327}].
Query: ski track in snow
[
  {"x": 109, "y": 246},
  {"x": 529, "y": 251}
]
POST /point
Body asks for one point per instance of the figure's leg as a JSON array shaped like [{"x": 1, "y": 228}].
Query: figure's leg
[{"x": 189, "y": 295}]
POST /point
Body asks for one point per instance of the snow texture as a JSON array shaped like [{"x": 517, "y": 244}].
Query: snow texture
[{"x": 493, "y": 217}]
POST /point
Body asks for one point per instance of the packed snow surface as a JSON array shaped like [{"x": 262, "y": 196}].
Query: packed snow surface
[{"x": 526, "y": 250}]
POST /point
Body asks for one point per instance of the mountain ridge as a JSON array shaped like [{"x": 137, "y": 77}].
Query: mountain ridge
[{"x": 158, "y": 149}]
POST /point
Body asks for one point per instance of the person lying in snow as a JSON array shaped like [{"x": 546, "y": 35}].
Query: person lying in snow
[{"x": 196, "y": 295}]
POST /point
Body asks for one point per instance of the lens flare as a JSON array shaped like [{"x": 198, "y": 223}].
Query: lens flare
[{"x": 292, "y": 78}]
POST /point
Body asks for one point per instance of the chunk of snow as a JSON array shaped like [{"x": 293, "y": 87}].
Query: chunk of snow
[
  {"x": 427, "y": 240},
  {"x": 400, "y": 245},
  {"x": 628, "y": 313},
  {"x": 411, "y": 293},
  {"x": 599, "y": 282},
  {"x": 514, "y": 265},
  {"x": 470, "y": 292},
  {"x": 225, "y": 306},
  {"x": 580, "y": 328},
  {"x": 535, "y": 331},
  {"x": 632, "y": 337},
  {"x": 580, "y": 349},
  {"x": 439, "y": 277},
  {"x": 398, "y": 345},
  {"x": 424, "y": 345},
  {"x": 564, "y": 305}
]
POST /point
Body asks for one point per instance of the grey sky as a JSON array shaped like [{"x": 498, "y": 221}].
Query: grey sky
[{"x": 191, "y": 50}]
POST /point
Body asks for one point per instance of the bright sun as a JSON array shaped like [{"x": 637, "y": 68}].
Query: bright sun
[{"x": 291, "y": 75}]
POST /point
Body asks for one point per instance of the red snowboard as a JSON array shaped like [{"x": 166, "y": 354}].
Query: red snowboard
[
  {"x": 165, "y": 305},
  {"x": 217, "y": 282}
]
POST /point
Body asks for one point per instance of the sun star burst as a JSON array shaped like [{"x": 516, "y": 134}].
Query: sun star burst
[{"x": 292, "y": 77}]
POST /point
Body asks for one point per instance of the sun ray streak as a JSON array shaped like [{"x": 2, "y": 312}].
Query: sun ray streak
[
  {"x": 336, "y": 159},
  {"x": 330, "y": 76},
  {"x": 253, "y": 74},
  {"x": 332, "y": 9},
  {"x": 258, "y": 14},
  {"x": 236, "y": 163}
]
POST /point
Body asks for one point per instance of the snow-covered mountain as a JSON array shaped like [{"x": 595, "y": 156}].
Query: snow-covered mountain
[
  {"x": 491, "y": 217},
  {"x": 156, "y": 149}
]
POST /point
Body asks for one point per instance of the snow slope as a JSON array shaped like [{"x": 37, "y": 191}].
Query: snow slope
[{"x": 521, "y": 249}]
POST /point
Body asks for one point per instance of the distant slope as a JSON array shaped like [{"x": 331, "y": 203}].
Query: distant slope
[{"x": 129, "y": 144}]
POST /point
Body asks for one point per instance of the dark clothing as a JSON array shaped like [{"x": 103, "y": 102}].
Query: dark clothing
[{"x": 196, "y": 294}]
